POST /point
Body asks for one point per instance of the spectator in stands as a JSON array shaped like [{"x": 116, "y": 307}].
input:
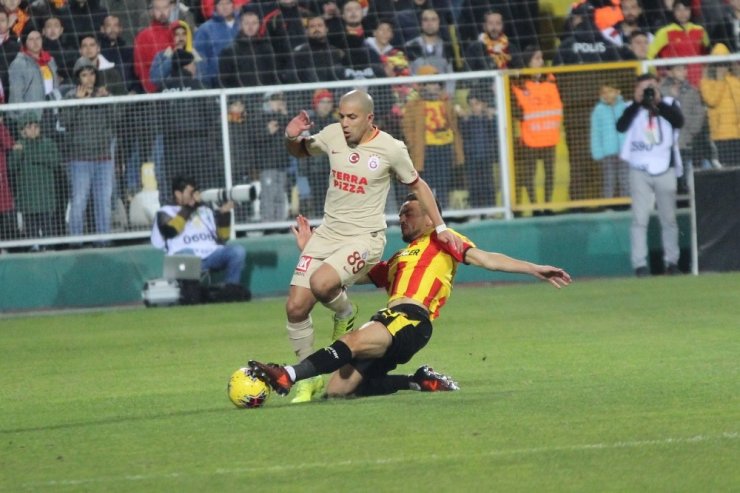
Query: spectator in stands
[
  {"x": 274, "y": 163},
  {"x": 284, "y": 27},
  {"x": 429, "y": 48},
  {"x": 676, "y": 85},
  {"x": 86, "y": 17},
  {"x": 606, "y": 142},
  {"x": 431, "y": 131},
  {"x": 242, "y": 131},
  {"x": 19, "y": 16},
  {"x": 380, "y": 46},
  {"x": 107, "y": 74},
  {"x": 480, "y": 143},
  {"x": 188, "y": 226},
  {"x": 540, "y": 114},
  {"x": 323, "y": 114},
  {"x": 213, "y": 36},
  {"x": 348, "y": 33},
  {"x": 585, "y": 44},
  {"x": 207, "y": 7},
  {"x": 727, "y": 31},
  {"x": 250, "y": 60},
  {"x": 8, "y": 222},
  {"x": 89, "y": 137},
  {"x": 633, "y": 20},
  {"x": 521, "y": 18},
  {"x": 650, "y": 147},
  {"x": 35, "y": 161},
  {"x": 637, "y": 47},
  {"x": 60, "y": 47},
  {"x": 492, "y": 50},
  {"x": 409, "y": 21},
  {"x": 720, "y": 89},
  {"x": 33, "y": 73},
  {"x": 151, "y": 40},
  {"x": 182, "y": 39},
  {"x": 114, "y": 48},
  {"x": 190, "y": 126},
  {"x": 317, "y": 60},
  {"x": 681, "y": 38},
  {"x": 9, "y": 48}
]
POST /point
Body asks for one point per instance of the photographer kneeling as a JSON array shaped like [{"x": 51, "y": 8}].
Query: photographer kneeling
[
  {"x": 650, "y": 147},
  {"x": 190, "y": 227}
]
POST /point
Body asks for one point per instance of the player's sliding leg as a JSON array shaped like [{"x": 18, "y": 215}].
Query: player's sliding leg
[
  {"x": 370, "y": 342},
  {"x": 424, "y": 379}
]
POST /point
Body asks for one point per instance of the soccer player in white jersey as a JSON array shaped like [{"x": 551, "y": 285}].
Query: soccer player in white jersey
[{"x": 351, "y": 238}]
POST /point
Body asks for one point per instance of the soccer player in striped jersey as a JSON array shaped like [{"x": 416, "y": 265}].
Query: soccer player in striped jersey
[{"x": 418, "y": 279}]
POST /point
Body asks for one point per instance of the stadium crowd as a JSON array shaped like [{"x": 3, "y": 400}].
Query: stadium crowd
[{"x": 65, "y": 49}]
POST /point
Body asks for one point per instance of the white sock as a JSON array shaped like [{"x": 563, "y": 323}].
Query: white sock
[
  {"x": 340, "y": 305},
  {"x": 291, "y": 372},
  {"x": 301, "y": 337}
]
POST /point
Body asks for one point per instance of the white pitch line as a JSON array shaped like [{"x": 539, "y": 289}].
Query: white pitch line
[{"x": 733, "y": 435}]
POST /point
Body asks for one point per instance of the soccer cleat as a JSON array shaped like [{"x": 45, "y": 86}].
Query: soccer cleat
[
  {"x": 429, "y": 380},
  {"x": 273, "y": 375},
  {"x": 344, "y": 325},
  {"x": 305, "y": 390}
]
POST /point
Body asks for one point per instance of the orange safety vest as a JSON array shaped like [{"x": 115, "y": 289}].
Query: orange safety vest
[
  {"x": 606, "y": 16},
  {"x": 542, "y": 112}
]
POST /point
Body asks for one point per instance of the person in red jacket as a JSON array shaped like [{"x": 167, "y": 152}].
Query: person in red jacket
[
  {"x": 151, "y": 40},
  {"x": 681, "y": 38}
]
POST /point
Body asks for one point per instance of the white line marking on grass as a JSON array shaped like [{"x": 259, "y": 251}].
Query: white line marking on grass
[{"x": 397, "y": 460}]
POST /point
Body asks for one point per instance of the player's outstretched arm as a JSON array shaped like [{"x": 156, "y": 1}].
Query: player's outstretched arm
[
  {"x": 498, "y": 261},
  {"x": 426, "y": 198},
  {"x": 293, "y": 140}
]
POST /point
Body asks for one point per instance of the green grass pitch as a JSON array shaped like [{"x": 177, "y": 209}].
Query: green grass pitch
[{"x": 608, "y": 385}]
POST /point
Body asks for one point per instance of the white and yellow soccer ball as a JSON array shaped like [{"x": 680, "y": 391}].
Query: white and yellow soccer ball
[{"x": 247, "y": 391}]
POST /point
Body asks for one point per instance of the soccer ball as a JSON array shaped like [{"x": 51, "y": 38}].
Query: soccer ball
[{"x": 247, "y": 391}]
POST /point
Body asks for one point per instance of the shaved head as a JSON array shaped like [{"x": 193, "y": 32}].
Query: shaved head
[
  {"x": 356, "y": 116},
  {"x": 360, "y": 99}
]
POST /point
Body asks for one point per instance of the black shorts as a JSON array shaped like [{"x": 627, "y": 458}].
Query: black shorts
[{"x": 411, "y": 330}]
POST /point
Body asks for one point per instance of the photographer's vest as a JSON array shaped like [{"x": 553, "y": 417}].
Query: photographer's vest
[
  {"x": 542, "y": 113},
  {"x": 651, "y": 144},
  {"x": 199, "y": 234}
]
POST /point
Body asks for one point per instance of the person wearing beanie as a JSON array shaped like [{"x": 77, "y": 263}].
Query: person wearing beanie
[
  {"x": 33, "y": 74},
  {"x": 90, "y": 131}
]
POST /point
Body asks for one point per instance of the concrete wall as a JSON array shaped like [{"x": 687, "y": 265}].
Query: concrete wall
[{"x": 587, "y": 245}]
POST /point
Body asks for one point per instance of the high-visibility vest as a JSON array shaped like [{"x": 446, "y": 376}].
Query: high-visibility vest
[
  {"x": 542, "y": 112},
  {"x": 605, "y": 16}
]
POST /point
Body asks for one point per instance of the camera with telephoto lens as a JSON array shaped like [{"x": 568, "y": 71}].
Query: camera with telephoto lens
[
  {"x": 648, "y": 97},
  {"x": 238, "y": 193}
]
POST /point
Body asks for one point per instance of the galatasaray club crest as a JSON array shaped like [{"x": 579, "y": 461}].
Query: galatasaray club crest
[
  {"x": 354, "y": 158},
  {"x": 373, "y": 162}
]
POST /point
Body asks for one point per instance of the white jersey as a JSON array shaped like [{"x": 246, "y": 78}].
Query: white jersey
[
  {"x": 360, "y": 178},
  {"x": 199, "y": 234},
  {"x": 651, "y": 144}
]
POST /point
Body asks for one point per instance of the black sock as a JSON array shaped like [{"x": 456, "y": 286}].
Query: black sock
[
  {"x": 389, "y": 384},
  {"x": 324, "y": 360}
]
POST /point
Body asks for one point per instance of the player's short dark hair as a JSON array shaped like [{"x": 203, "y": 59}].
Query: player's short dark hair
[
  {"x": 181, "y": 182},
  {"x": 412, "y": 197}
]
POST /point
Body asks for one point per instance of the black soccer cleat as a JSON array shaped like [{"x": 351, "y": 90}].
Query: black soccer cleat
[{"x": 429, "y": 380}]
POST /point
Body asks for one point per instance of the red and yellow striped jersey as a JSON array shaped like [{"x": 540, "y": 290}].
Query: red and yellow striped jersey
[{"x": 423, "y": 271}]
